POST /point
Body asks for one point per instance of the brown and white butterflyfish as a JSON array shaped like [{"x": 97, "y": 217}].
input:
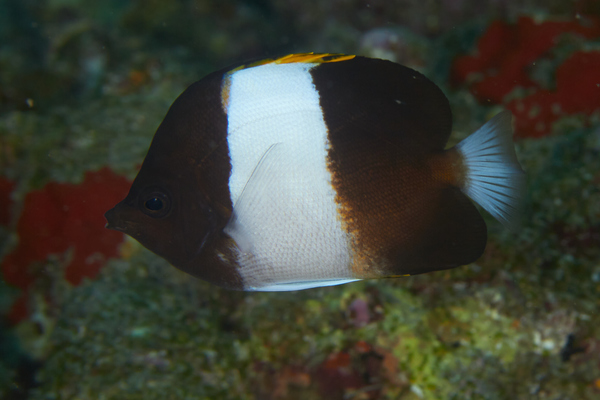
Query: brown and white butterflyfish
[{"x": 316, "y": 170}]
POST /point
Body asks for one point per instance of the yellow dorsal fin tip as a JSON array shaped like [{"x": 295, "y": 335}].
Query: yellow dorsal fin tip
[
  {"x": 312, "y": 58},
  {"x": 309, "y": 58}
]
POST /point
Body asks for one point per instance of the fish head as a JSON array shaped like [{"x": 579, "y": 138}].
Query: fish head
[{"x": 167, "y": 212}]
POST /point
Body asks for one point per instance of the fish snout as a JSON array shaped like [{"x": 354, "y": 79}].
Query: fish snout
[{"x": 114, "y": 221}]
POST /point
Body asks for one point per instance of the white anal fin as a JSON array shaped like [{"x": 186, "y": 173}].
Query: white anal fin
[{"x": 301, "y": 285}]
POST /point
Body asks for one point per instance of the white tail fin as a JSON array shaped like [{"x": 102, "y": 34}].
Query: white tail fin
[{"x": 494, "y": 178}]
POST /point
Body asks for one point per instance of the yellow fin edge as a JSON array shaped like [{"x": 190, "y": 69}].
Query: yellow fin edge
[
  {"x": 309, "y": 58},
  {"x": 312, "y": 58}
]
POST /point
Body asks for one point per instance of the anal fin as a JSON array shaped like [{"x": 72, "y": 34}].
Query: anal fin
[{"x": 456, "y": 235}]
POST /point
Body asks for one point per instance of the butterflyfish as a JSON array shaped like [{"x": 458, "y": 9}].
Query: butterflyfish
[{"x": 315, "y": 170}]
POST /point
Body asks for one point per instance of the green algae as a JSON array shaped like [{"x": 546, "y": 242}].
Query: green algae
[{"x": 61, "y": 145}]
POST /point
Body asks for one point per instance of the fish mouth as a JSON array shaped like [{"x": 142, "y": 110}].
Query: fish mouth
[{"x": 114, "y": 222}]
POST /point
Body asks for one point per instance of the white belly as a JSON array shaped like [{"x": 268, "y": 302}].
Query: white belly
[{"x": 286, "y": 222}]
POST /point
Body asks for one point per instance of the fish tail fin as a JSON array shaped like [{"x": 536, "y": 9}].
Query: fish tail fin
[{"x": 492, "y": 174}]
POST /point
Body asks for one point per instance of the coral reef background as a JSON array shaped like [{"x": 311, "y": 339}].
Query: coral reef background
[{"x": 87, "y": 314}]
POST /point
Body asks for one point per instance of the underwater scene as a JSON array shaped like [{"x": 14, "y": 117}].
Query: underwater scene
[{"x": 495, "y": 298}]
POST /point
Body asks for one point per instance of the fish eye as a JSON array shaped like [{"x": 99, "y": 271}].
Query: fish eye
[{"x": 155, "y": 203}]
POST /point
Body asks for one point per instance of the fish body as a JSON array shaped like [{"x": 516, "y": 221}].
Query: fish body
[{"x": 315, "y": 170}]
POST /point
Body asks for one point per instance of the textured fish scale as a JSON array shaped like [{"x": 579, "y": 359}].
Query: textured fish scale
[{"x": 283, "y": 200}]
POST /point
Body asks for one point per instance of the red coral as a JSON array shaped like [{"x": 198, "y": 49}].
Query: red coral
[
  {"x": 535, "y": 113},
  {"x": 362, "y": 369},
  {"x": 337, "y": 374},
  {"x": 578, "y": 83},
  {"x": 6, "y": 188},
  {"x": 577, "y": 91},
  {"x": 504, "y": 54},
  {"x": 62, "y": 217}
]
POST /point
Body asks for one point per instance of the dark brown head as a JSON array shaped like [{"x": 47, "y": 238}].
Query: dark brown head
[
  {"x": 179, "y": 203},
  {"x": 167, "y": 213}
]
